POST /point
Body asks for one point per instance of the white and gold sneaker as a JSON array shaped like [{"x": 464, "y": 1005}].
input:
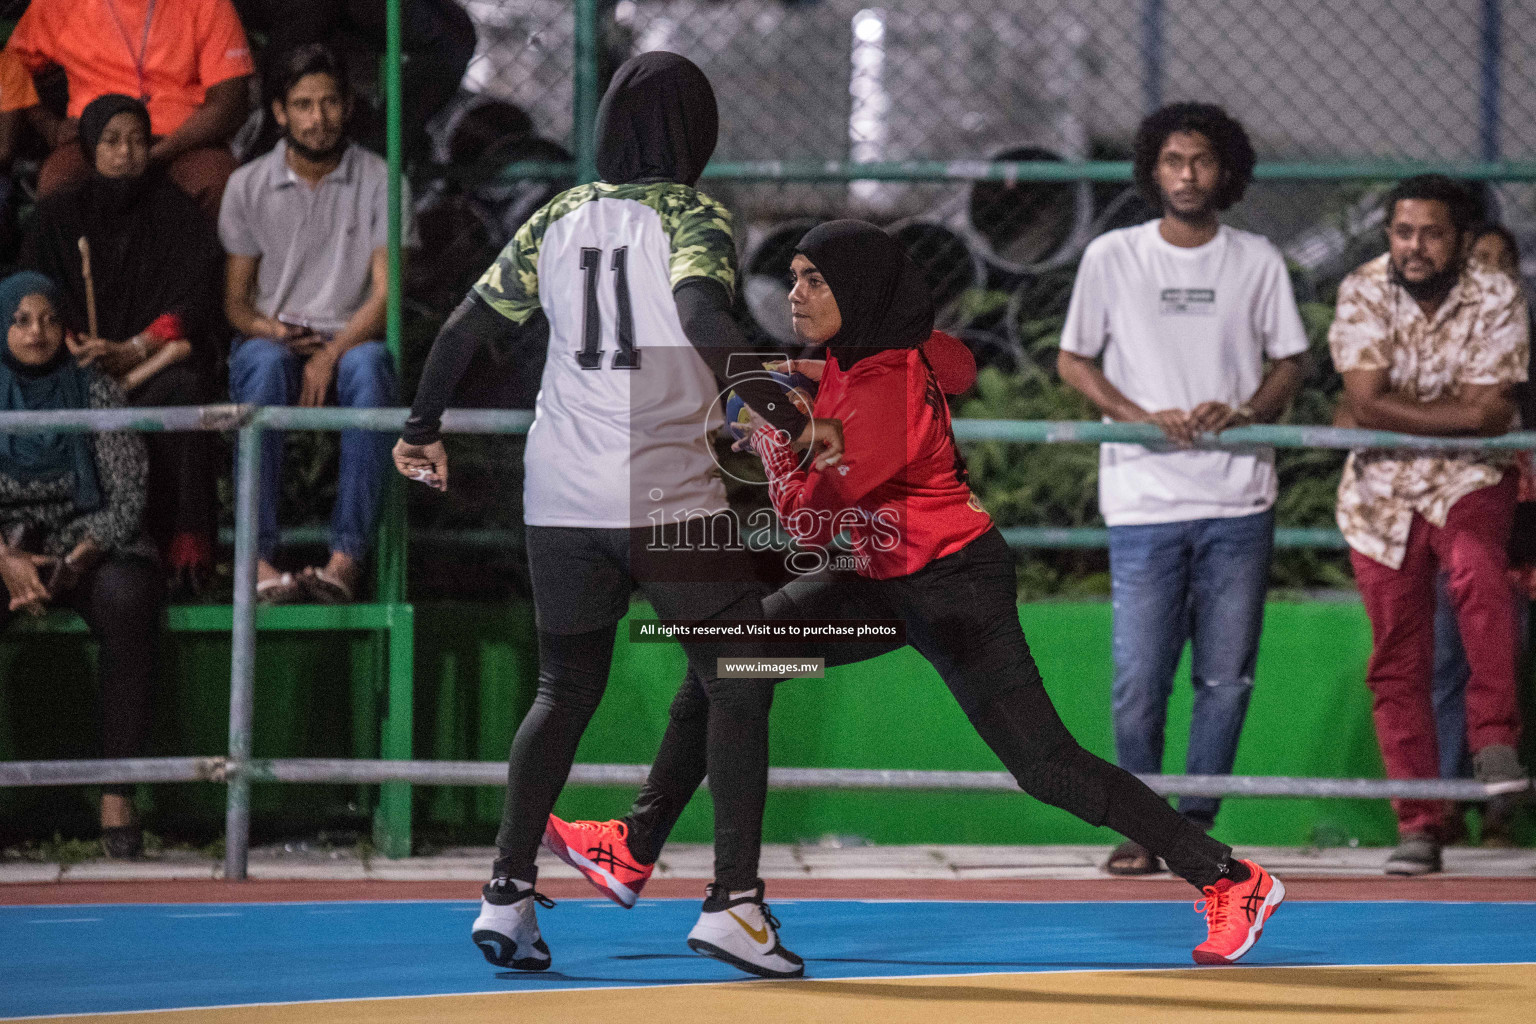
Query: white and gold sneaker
[
  {"x": 739, "y": 929},
  {"x": 507, "y": 930}
]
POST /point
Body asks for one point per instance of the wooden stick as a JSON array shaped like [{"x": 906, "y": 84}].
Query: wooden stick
[{"x": 90, "y": 285}]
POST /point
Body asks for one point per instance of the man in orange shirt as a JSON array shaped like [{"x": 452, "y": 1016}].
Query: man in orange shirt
[
  {"x": 188, "y": 60},
  {"x": 17, "y": 94}
]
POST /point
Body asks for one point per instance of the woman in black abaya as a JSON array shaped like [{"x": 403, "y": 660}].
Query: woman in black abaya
[{"x": 156, "y": 267}]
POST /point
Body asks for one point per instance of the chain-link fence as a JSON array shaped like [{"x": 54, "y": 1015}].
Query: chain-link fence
[
  {"x": 916, "y": 114},
  {"x": 809, "y": 82}
]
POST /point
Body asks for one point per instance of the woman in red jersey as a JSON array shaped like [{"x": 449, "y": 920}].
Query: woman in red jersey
[{"x": 926, "y": 553}]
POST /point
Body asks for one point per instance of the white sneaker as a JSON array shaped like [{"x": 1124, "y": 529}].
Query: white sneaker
[
  {"x": 507, "y": 931},
  {"x": 742, "y": 932}
]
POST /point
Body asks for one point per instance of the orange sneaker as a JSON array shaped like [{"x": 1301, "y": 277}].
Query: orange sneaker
[
  {"x": 1235, "y": 913},
  {"x": 599, "y": 850}
]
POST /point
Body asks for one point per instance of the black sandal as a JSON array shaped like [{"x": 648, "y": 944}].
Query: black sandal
[{"x": 1131, "y": 858}]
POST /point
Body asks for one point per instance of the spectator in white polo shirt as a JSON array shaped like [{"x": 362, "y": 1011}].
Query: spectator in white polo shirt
[
  {"x": 305, "y": 288},
  {"x": 1184, "y": 311}
]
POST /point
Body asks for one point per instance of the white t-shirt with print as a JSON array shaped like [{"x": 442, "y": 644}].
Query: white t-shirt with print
[{"x": 1178, "y": 327}]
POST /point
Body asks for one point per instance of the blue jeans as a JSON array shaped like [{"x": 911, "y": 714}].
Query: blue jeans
[
  {"x": 265, "y": 372},
  {"x": 1204, "y": 581},
  {"x": 1450, "y": 679}
]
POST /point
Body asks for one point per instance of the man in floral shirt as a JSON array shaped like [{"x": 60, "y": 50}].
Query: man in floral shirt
[{"x": 1431, "y": 344}]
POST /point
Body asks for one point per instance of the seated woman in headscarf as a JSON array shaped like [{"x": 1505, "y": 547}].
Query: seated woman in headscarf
[
  {"x": 154, "y": 264},
  {"x": 70, "y": 512}
]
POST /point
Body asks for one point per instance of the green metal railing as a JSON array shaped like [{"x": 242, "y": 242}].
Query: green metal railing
[
  {"x": 238, "y": 770},
  {"x": 839, "y": 171}
]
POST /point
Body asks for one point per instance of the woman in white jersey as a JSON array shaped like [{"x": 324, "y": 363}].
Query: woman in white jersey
[{"x": 634, "y": 274}]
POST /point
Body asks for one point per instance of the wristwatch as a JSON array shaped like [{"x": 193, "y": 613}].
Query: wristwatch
[{"x": 1246, "y": 414}]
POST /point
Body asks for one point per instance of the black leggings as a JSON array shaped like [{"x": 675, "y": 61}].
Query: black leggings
[
  {"x": 121, "y": 600},
  {"x": 182, "y": 498},
  {"x": 582, "y": 577},
  {"x": 961, "y": 614}
]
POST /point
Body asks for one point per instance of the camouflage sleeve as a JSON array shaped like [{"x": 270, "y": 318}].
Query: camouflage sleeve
[
  {"x": 703, "y": 244},
  {"x": 510, "y": 285},
  {"x": 1357, "y": 339}
]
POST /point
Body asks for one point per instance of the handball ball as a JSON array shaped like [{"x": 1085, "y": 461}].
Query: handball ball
[{"x": 797, "y": 386}]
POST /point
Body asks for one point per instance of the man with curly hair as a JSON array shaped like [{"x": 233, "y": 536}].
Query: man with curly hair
[{"x": 1183, "y": 313}]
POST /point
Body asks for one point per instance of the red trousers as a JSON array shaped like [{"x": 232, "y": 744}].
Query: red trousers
[
  {"x": 1471, "y": 546},
  {"x": 200, "y": 173}
]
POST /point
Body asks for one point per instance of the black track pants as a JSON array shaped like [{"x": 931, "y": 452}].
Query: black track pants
[
  {"x": 961, "y": 614},
  {"x": 582, "y": 577}
]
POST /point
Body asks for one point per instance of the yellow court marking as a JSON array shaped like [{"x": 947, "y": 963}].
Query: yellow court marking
[{"x": 1234, "y": 995}]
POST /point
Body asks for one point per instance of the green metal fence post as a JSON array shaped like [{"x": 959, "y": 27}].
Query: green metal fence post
[
  {"x": 392, "y": 539},
  {"x": 584, "y": 99},
  {"x": 242, "y": 660},
  {"x": 392, "y": 824},
  {"x": 392, "y": 817}
]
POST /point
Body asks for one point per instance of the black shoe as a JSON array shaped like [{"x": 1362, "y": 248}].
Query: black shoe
[
  {"x": 122, "y": 842},
  {"x": 187, "y": 583},
  {"x": 1417, "y": 854},
  {"x": 1495, "y": 764}
]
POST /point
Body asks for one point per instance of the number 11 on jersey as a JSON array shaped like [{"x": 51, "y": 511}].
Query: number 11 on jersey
[{"x": 590, "y": 356}]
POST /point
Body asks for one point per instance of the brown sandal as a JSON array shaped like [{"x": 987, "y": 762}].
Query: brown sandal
[
  {"x": 326, "y": 587},
  {"x": 1131, "y": 858}
]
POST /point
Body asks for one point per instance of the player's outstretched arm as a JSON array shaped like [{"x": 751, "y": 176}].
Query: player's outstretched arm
[
  {"x": 704, "y": 308},
  {"x": 420, "y": 454}
]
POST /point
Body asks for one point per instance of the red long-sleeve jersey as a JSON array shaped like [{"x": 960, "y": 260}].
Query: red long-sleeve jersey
[{"x": 898, "y": 491}]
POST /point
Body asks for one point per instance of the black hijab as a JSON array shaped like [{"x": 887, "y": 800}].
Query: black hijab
[
  {"x": 110, "y": 196},
  {"x": 882, "y": 296},
  {"x": 94, "y": 118},
  {"x": 657, "y": 122},
  {"x": 152, "y": 248}
]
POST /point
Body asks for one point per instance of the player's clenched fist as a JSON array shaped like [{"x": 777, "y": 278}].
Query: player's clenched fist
[{"x": 425, "y": 463}]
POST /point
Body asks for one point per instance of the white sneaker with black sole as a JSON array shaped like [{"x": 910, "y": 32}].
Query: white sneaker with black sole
[
  {"x": 738, "y": 929},
  {"x": 507, "y": 930}
]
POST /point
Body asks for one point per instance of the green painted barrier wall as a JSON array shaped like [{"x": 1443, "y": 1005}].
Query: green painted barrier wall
[
  {"x": 1310, "y": 715},
  {"x": 476, "y": 673}
]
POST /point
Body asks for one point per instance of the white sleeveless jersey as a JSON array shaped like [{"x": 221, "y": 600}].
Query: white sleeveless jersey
[{"x": 621, "y": 435}]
